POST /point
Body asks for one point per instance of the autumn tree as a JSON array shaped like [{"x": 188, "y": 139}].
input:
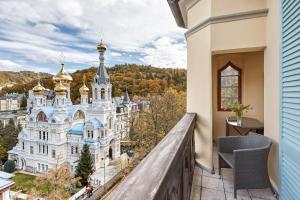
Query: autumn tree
[
  {"x": 56, "y": 184},
  {"x": 85, "y": 166},
  {"x": 155, "y": 122}
]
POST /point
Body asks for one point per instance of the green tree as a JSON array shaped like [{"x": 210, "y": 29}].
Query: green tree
[
  {"x": 9, "y": 166},
  {"x": 3, "y": 154},
  {"x": 85, "y": 166},
  {"x": 1, "y": 125},
  {"x": 11, "y": 122}
]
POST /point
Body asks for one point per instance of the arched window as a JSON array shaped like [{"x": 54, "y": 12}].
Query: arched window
[
  {"x": 78, "y": 115},
  {"x": 102, "y": 93},
  {"x": 229, "y": 86},
  {"x": 109, "y": 123},
  {"x": 96, "y": 93},
  {"x": 41, "y": 116}
]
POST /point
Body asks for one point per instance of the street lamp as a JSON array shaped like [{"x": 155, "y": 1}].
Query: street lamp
[{"x": 103, "y": 159}]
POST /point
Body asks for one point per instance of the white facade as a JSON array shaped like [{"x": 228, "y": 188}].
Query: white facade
[
  {"x": 8, "y": 104},
  {"x": 57, "y": 130}
]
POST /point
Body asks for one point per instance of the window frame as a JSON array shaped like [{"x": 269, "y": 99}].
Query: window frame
[{"x": 219, "y": 96}]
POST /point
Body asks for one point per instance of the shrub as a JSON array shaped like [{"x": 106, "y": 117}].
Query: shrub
[{"x": 9, "y": 166}]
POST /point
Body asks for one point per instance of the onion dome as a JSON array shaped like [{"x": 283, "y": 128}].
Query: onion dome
[
  {"x": 60, "y": 88},
  {"x": 62, "y": 76},
  {"x": 84, "y": 89},
  {"x": 38, "y": 89},
  {"x": 101, "y": 47}
]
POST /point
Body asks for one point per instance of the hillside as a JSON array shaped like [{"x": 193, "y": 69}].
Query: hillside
[
  {"x": 12, "y": 78},
  {"x": 141, "y": 80}
]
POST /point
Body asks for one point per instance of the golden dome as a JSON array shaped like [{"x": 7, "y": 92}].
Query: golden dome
[
  {"x": 62, "y": 75},
  {"x": 84, "y": 89},
  {"x": 101, "y": 47},
  {"x": 38, "y": 88},
  {"x": 60, "y": 88}
]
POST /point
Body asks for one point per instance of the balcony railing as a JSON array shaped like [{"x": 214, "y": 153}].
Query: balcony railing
[{"x": 167, "y": 171}]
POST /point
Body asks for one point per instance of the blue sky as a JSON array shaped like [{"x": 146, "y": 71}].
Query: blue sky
[{"x": 34, "y": 34}]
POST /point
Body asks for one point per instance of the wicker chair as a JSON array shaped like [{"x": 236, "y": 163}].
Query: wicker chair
[{"x": 248, "y": 157}]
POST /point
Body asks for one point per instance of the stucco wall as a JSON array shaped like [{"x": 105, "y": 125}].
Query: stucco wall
[
  {"x": 252, "y": 65},
  {"x": 272, "y": 87},
  {"x": 240, "y": 34},
  {"x": 198, "y": 13},
  {"x": 199, "y": 96},
  {"x": 225, "y": 7}
]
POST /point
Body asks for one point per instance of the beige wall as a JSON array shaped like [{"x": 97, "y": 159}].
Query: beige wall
[
  {"x": 225, "y": 7},
  {"x": 198, "y": 13},
  {"x": 271, "y": 116},
  {"x": 240, "y": 34},
  {"x": 199, "y": 96},
  {"x": 222, "y": 37},
  {"x": 252, "y": 65}
]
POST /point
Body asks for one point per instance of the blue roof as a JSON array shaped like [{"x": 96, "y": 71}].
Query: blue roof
[
  {"x": 77, "y": 129},
  {"x": 96, "y": 123}
]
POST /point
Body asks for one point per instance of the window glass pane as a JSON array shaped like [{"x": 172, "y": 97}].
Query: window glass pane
[
  {"x": 229, "y": 71},
  {"x": 229, "y": 87}
]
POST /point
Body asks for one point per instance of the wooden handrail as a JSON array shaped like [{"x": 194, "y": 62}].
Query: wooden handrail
[{"x": 167, "y": 171}]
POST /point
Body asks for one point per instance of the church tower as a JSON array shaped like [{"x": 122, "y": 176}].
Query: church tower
[
  {"x": 60, "y": 98},
  {"x": 39, "y": 98},
  {"x": 65, "y": 79},
  {"x": 101, "y": 85},
  {"x": 84, "y": 93}
]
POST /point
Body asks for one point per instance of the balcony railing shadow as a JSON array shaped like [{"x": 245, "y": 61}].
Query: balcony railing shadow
[{"x": 167, "y": 171}]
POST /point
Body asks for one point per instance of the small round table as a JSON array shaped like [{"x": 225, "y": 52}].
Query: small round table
[{"x": 248, "y": 123}]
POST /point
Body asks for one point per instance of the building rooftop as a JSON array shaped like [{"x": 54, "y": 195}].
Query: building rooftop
[
  {"x": 4, "y": 183},
  {"x": 5, "y": 175}
]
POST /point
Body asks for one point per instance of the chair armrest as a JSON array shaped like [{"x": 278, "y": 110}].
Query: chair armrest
[
  {"x": 251, "y": 167},
  {"x": 228, "y": 144},
  {"x": 252, "y": 160}
]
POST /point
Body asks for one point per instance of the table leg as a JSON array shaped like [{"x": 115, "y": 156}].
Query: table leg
[{"x": 227, "y": 129}]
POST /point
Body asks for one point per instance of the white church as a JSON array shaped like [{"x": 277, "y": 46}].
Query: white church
[{"x": 56, "y": 130}]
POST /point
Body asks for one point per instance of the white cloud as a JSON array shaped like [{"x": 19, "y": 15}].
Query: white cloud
[
  {"x": 8, "y": 65},
  {"x": 38, "y": 30},
  {"x": 166, "y": 52}
]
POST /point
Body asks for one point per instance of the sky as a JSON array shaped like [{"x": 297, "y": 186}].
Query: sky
[{"x": 34, "y": 34}]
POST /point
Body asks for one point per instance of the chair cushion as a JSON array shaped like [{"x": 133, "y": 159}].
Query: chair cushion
[{"x": 228, "y": 158}]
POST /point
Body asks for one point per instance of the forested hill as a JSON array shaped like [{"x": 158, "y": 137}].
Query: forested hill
[
  {"x": 141, "y": 80},
  {"x": 11, "y": 78}
]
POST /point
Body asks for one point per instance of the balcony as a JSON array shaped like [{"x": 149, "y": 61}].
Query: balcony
[{"x": 169, "y": 172}]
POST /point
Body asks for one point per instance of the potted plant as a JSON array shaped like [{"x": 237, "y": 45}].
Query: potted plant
[{"x": 238, "y": 109}]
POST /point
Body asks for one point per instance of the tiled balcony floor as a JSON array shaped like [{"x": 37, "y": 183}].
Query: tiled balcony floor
[{"x": 208, "y": 186}]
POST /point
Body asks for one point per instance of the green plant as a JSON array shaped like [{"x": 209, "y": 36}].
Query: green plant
[
  {"x": 9, "y": 166},
  {"x": 239, "y": 109}
]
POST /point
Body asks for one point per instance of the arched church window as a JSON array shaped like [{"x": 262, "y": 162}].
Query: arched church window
[
  {"x": 229, "y": 86},
  {"x": 79, "y": 115},
  {"x": 102, "y": 93},
  {"x": 96, "y": 93},
  {"x": 41, "y": 116}
]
